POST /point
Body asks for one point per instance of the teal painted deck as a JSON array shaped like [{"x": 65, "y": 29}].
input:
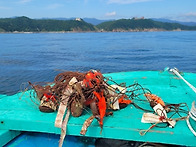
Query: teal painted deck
[
  {"x": 23, "y": 115},
  {"x": 7, "y": 136}
]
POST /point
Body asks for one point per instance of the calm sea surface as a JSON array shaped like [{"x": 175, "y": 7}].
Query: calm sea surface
[{"x": 40, "y": 56}]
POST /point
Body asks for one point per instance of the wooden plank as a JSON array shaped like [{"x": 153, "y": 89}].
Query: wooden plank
[
  {"x": 7, "y": 135},
  {"x": 24, "y": 115}
]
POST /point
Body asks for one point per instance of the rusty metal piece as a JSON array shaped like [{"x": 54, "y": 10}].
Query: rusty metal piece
[
  {"x": 86, "y": 124},
  {"x": 78, "y": 88},
  {"x": 47, "y": 106},
  {"x": 94, "y": 108},
  {"x": 45, "y": 109},
  {"x": 76, "y": 108}
]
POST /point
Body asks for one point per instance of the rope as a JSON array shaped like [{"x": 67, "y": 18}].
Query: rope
[
  {"x": 177, "y": 73},
  {"x": 192, "y": 114},
  {"x": 143, "y": 132}
]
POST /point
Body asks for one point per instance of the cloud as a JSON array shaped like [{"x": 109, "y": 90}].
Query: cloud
[
  {"x": 111, "y": 14},
  {"x": 24, "y": 1},
  {"x": 191, "y": 16},
  {"x": 54, "y": 6},
  {"x": 127, "y": 1}
]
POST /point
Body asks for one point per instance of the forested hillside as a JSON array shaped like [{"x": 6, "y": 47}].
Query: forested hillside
[
  {"x": 141, "y": 25},
  {"x": 25, "y": 24}
]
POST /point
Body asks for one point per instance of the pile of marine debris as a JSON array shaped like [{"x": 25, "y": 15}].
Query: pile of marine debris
[{"x": 71, "y": 92}]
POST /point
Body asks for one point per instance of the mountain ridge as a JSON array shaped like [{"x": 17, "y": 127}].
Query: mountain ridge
[
  {"x": 25, "y": 24},
  {"x": 96, "y": 21}
]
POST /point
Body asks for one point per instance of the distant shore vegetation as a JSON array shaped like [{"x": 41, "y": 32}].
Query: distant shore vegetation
[{"x": 25, "y": 25}]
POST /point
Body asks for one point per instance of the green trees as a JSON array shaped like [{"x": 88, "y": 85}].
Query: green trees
[
  {"x": 140, "y": 25},
  {"x": 25, "y": 24}
]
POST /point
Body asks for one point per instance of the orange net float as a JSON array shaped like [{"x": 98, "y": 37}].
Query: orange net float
[
  {"x": 123, "y": 100},
  {"x": 50, "y": 96},
  {"x": 101, "y": 106},
  {"x": 154, "y": 98},
  {"x": 92, "y": 78}
]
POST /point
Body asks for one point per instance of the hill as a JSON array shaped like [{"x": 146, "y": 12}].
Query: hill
[
  {"x": 174, "y": 21},
  {"x": 95, "y": 21},
  {"x": 25, "y": 24},
  {"x": 92, "y": 21},
  {"x": 141, "y": 25}
]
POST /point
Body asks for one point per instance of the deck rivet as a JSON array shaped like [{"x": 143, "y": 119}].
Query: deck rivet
[{"x": 1, "y": 122}]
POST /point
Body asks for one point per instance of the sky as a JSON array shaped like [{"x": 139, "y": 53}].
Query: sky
[{"x": 181, "y": 10}]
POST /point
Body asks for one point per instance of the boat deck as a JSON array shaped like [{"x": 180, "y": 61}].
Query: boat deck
[
  {"x": 7, "y": 135},
  {"x": 19, "y": 112}
]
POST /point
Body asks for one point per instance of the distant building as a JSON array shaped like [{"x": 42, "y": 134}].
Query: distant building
[{"x": 78, "y": 19}]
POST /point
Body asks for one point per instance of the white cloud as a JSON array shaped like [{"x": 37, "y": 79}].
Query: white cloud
[
  {"x": 184, "y": 17},
  {"x": 24, "y": 1},
  {"x": 54, "y": 6},
  {"x": 127, "y": 1},
  {"x": 191, "y": 14},
  {"x": 111, "y": 13}
]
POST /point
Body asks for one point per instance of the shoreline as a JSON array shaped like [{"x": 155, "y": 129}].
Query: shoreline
[{"x": 114, "y": 31}]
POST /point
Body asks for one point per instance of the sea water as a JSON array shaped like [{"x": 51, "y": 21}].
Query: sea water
[{"x": 38, "y": 57}]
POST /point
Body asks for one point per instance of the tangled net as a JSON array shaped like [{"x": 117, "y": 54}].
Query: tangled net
[{"x": 75, "y": 91}]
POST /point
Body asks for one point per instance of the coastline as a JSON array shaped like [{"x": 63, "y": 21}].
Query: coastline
[{"x": 100, "y": 31}]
